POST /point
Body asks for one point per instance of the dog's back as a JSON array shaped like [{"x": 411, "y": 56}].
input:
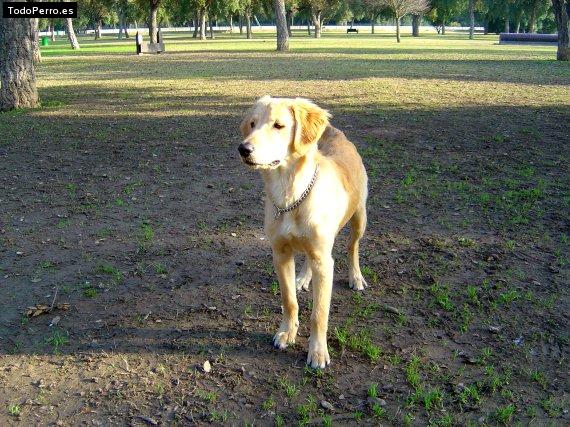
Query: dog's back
[{"x": 337, "y": 148}]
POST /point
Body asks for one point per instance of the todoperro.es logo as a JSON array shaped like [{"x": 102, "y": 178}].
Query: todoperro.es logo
[{"x": 20, "y": 9}]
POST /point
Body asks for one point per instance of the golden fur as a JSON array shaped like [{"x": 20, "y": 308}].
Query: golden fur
[{"x": 285, "y": 139}]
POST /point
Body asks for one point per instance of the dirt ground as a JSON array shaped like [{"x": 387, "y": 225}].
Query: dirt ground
[{"x": 150, "y": 228}]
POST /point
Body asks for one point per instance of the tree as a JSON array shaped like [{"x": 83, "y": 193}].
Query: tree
[
  {"x": 246, "y": 8},
  {"x": 71, "y": 33},
  {"x": 401, "y": 8},
  {"x": 36, "y": 41},
  {"x": 561, "y": 9},
  {"x": 444, "y": 10},
  {"x": 416, "y": 23},
  {"x": 17, "y": 73},
  {"x": 153, "y": 22},
  {"x": 533, "y": 10},
  {"x": 98, "y": 11},
  {"x": 321, "y": 10},
  {"x": 281, "y": 22},
  {"x": 471, "y": 19},
  {"x": 291, "y": 7},
  {"x": 368, "y": 9},
  {"x": 123, "y": 9}
]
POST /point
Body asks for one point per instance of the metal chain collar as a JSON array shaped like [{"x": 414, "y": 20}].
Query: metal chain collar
[{"x": 280, "y": 211}]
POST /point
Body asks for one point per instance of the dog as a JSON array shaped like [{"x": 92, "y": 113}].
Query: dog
[{"x": 315, "y": 182}]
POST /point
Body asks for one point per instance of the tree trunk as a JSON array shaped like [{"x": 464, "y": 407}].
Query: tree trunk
[
  {"x": 121, "y": 19},
  {"x": 71, "y": 33},
  {"x": 471, "y": 19},
  {"x": 52, "y": 30},
  {"x": 98, "y": 25},
  {"x": 518, "y": 18},
  {"x": 195, "y": 23},
  {"x": 373, "y": 25},
  {"x": 443, "y": 28},
  {"x": 416, "y": 21},
  {"x": 153, "y": 27},
  {"x": 231, "y": 20},
  {"x": 36, "y": 41},
  {"x": 211, "y": 29},
  {"x": 532, "y": 17},
  {"x": 486, "y": 25},
  {"x": 398, "y": 29},
  {"x": 289, "y": 19},
  {"x": 123, "y": 24},
  {"x": 317, "y": 23},
  {"x": 281, "y": 22},
  {"x": 507, "y": 28},
  {"x": 17, "y": 73},
  {"x": 240, "y": 23},
  {"x": 308, "y": 27},
  {"x": 249, "y": 34},
  {"x": 560, "y": 8},
  {"x": 202, "y": 24},
  {"x": 126, "y": 29}
]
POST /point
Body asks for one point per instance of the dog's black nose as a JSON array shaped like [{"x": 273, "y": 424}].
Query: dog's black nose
[{"x": 245, "y": 149}]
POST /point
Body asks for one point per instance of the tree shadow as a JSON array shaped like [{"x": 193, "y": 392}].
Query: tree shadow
[{"x": 129, "y": 215}]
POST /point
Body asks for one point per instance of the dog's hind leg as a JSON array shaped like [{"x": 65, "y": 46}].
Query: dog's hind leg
[
  {"x": 284, "y": 264},
  {"x": 304, "y": 278},
  {"x": 357, "y": 227}
]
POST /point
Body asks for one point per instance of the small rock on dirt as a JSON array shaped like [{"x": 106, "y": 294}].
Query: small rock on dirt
[
  {"x": 207, "y": 366},
  {"x": 149, "y": 420},
  {"x": 376, "y": 401},
  {"x": 327, "y": 405}
]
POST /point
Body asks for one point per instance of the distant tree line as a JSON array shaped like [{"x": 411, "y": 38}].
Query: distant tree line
[{"x": 243, "y": 15}]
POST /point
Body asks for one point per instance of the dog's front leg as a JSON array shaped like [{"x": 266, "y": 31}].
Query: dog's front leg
[
  {"x": 322, "y": 265},
  {"x": 284, "y": 264}
]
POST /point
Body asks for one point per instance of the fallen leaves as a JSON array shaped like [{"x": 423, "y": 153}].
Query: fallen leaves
[{"x": 39, "y": 309}]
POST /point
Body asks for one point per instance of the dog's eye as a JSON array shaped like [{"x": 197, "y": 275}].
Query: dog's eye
[
  {"x": 278, "y": 126},
  {"x": 252, "y": 124}
]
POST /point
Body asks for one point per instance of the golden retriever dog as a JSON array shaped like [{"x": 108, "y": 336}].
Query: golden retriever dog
[{"x": 315, "y": 183}]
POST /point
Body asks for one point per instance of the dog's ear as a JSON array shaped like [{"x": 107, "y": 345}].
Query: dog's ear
[
  {"x": 245, "y": 127},
  {"x": 310, "y": 121}
]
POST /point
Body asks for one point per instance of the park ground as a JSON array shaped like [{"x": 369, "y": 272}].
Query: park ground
[{"x": 125, "y": 206}]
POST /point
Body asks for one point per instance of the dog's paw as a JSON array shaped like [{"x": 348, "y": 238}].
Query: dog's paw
[
  {"x": 284, "y": 337},
  {"x": 318, "y": 356},
  {"x": 303, "y": 282},
  {"x": 357, "y": 283}
]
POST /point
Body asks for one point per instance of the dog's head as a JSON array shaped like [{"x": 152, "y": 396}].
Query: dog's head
[{"x": 276, "y": 130}]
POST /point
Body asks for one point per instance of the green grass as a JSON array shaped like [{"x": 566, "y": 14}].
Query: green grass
[
  {"x": 113, "y": 272},
  {"x": 57, "y": 339},
  {"x": 373, "y": 390},
  {"x": 413, "y": 372},
  {"x": 14, "y": 410},
  {"x": 291, "y": 390},
  {"x": 274, "y": 287},
  {"x": 208, "y": 396},
  {"x": 504, "y": 414}
]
